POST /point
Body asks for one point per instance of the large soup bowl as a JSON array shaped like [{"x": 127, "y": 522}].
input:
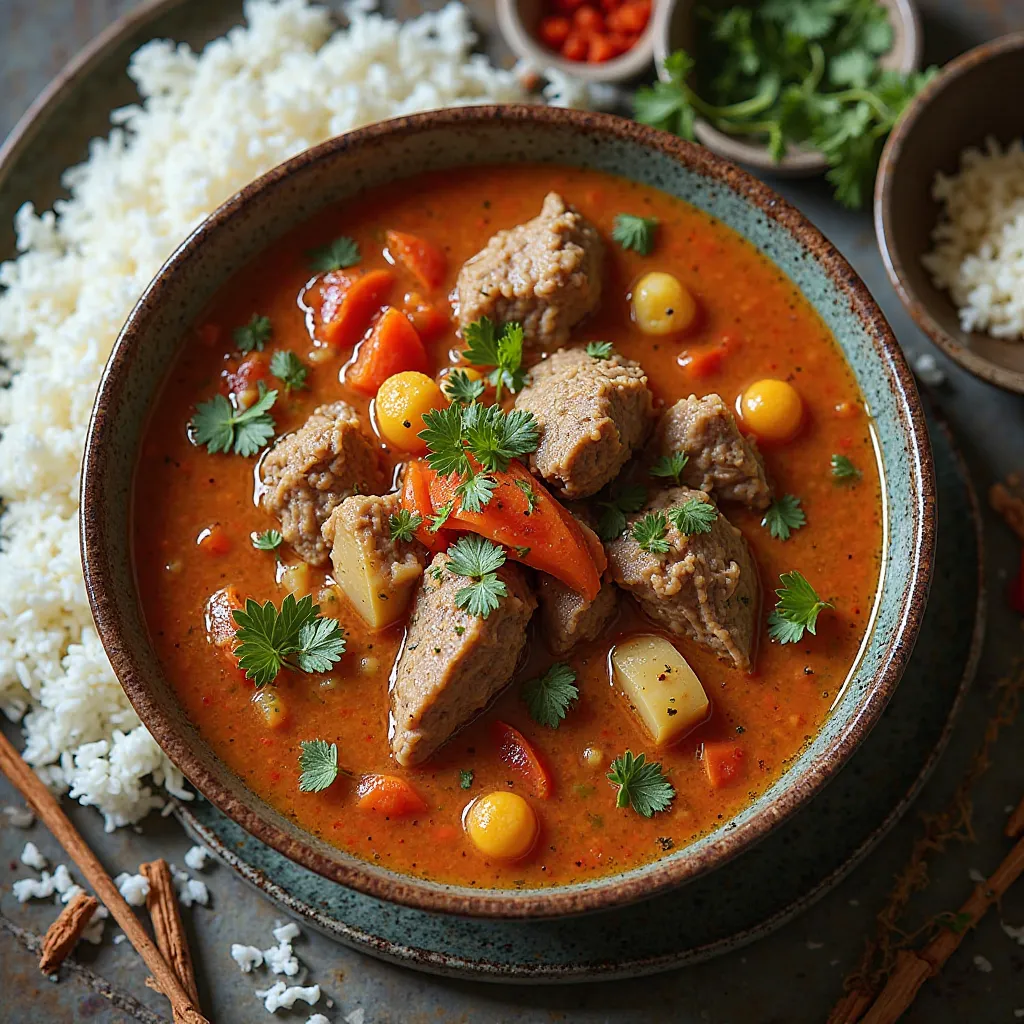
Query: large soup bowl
[{"x": 340, "y": 169}]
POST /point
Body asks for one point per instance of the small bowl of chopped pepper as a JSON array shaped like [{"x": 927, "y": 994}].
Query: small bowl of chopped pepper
[{"x": 595, "y": 40}]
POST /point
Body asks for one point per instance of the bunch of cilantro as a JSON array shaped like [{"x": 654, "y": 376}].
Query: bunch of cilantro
[{"x": 791, "y": 72}]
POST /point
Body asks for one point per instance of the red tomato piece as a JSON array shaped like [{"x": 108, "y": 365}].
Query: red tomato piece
[
  {"x": 575, "y": 47},
  {"x": 588, "y": 20},
  {"x": 553, "y": 31},
  {"x": 393, "y": 346},
  {"x": 515, "y": 751},
  {"x": 349, "y": 304},
  {"x": 389, "y": 795},
  {"x": 600, "y": 49},
  {"x": 424, "y": 260}
]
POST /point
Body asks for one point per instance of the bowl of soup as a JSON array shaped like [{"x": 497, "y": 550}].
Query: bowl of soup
[{"x": 507, "y": 511}]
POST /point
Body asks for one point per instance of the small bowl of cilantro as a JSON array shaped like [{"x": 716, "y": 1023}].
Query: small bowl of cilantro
[{"x": 794, "y": 87}]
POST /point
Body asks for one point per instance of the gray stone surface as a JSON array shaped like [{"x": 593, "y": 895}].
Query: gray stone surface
[{"x": 790, "y": 978}]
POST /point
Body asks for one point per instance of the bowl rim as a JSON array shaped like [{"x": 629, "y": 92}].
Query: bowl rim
[
  {"x": 614, "y": 890},
  {"x": 895, "y": 146}
]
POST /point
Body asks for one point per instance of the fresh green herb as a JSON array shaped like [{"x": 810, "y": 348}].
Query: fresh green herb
[
  {"x": 642, "y": 784},
  {"x": 636, "y": 233},
  {"x": 441, "y": 516},
  {"x": 268, "y": 540},
  {"x": 783, "y": 516},
  {"x": 475, "y": 491},
  {"x": 796, "y": 610},
  {"x": 289, "y": 369},
  {"x": 296, "y": 637},
  {"x": 521, "y": 551},
  {"x": 403, "y": 524},
  {"x": 465, "y": 778},
  {"x": 600, "y": 349},
  {"x": 670, "y": 466},
  {"x": 844, "y": 469},
  {"x": 460, "y": 387},
  {"x": 222, "y": 428},
  {"x": 337, "y": 255},
  {"x": 494, "y": 438},
  {"x": 319, "y": 764},
  {"x": 253, "y": 335},
  {"x": 531, "y": 495},
  {"x": 791, "y": 72},
  {"x": 611, "y": 519},
  {"x": 693, "y": 516},
  {"x": 478, "y": 560},
  {"x": 956, "y": 923},
  {"x": 503, "y": 352},
  {"x": 444, "y": 434},
  {"x": 649, "y": 533},
  {"x": 548, "y": 697}
]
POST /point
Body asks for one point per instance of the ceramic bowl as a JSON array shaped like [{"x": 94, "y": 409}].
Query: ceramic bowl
[
  {"x": 968, "y": 102},
  {"x": 675, "y": 32},
  {"x": 336, "y": 170}
]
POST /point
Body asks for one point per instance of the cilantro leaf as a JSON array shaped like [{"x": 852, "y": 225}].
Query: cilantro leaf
[
  {"x": 796, "y": 611},
  {"x": 221, "y": 428},
  {"x": 495, "y": 437},
  {"x": 600, "y": 349},
  {"x": 611, "y": 517},
  {"x": 337, "y": 255},
  {"x": 475, "y": 491},
  {"x": 693, "y": 516},
  {"x": 641, "y": 784},
  {"x": 441, "y": 516},
  {"x": 783, "y": 516},
  {"x": 548, "y": 697},
  {"x": 289, "y": 369},
  {"x": 459, "y": 387},
  {"x": 478, "y": 560},
  {"x": 649, "y": 533},
  {"x": 465, "y": 778},
  {"x": 531, "y": 495},
  {"x": 253, "y": 335},
  {"x": 503, "y": 351},
  {"x": 843, "y": 468},
  {"x": 403, "y": 524},
  {"x": 268, "y": 540},
  {"x": 670, "y": 466},
  {"x": 321, "y": 643},
  {"x": 636, "y": 233},
  {"x": 319, "y": 764},
  {"x": 443, "y": 433}
]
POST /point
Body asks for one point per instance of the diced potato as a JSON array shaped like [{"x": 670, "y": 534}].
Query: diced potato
[
  {"x": 295, "y": 579},
  {"x": 661, "y": 687},
  {"x": 270, "y": 705}
]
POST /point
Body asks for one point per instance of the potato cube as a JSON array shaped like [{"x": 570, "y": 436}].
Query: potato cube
[{"x": 662, "y": 688}]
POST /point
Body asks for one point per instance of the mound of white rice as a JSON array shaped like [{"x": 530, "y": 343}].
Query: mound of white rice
[
  {"x": 207, "y": 124},
  {"x": 978, "y": 243}
]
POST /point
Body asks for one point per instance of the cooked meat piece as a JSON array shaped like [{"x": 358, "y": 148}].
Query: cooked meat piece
[
  {"x": 569, "y": 618},
  {"x": 592, "y": 414},
  {"x": 704, "y": 587},
  {"x": 377, "y": 573},
  {"x": 545, "y": 273},
  {"x": 307, "y": 474},
  {"x": 453, "y": 663},
  {"x": 721, "y": 460}
]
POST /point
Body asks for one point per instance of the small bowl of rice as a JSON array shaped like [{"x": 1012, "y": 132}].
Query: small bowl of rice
[{"x": 949, "y": 211}]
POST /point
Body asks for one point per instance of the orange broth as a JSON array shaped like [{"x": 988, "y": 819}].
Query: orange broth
[{"x": 766, "y": 328}]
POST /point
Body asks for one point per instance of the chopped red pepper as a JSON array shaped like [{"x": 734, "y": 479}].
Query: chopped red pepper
[{"x": 515, "y": 751}]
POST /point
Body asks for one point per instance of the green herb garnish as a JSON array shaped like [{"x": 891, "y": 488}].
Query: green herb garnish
[
  {"x": 649, "y": 533},
  {"x": 222, "y": 428},
  {"x": 268, "y": 540},
  {"x": 337, "y": 255},
  {"x": 670, "y": 466},
  {"x": 503, "y": 352},
  {"x": 796, "y": 610},
  {"x": 548, "y": 697},
  {"x": 611, "y": 517},
  {"x": 693, "y": 516},
  {"x": 641, "y": 784},
  {"x": 636, "y": 233},
  {"x": 403, "y": 524},
  {"x": 289, "y": 369},
  {"x": 465, "y": 778},
  {"x": 600, "y": 349},
  {"x": 479, "y": 561},
  {"x": 253, "y": 335},
  {"x": 319, "y": 764},
  {"x": 441, "y": 516},
  {"x": 783, "y": 516},
  {"x": 531, "y": 495},
  {"x": 843, "y": 468},
  {"x": 460, "y": 387}
]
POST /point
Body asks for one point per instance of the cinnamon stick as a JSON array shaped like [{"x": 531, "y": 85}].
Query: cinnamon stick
[
  {"x": 167, "y": 925},
  {"x": 46, "y": 807},
  {"x": 1015, "y": 826},
  {"x": 62, "y": 936}
]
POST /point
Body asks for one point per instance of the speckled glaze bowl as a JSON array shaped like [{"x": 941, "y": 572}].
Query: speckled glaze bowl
[{"x": 340, "y": 168}]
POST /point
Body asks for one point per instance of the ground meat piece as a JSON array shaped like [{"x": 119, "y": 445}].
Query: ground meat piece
[
  {"x": 705, "y": 587},
  {"x": 545, "y": 273},
  {"x": 568, "y": 618},
  {"x": 592, "y": 414},
  {"x": 453, "y": 663},
  {"x": 721, "y": 460},
  {"x": 307, "y": 474}
]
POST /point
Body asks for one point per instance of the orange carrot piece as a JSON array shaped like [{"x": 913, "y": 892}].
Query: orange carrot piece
[
  {"x": 574, "y": 47},
  {"x": 214, "y": 541},
  {"x": 389, "y": 795},
  {"x": 723, "y": 762},
  {"x": 424, "y": 260},
  {"x": 515, "y": 751},
  {"x": 393, "y": 346},
  {"x": 429, "y": 321},
  {"x": 349, "y": 304},
  {"x": 220, "y": 622},
  {"x": 416, "y": 498}
]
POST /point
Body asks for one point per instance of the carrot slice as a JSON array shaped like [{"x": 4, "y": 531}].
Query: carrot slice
[
  {"x": 429, "y": 321},
  {"x": 214, "y": 541},
  {"x": 416, "y": 498},
  {"x": 350, "y": 302},
  {"x": 723, "y": 762},
  {"x": 389, "y": 795},
  {"x": 424, "y": 260},
  {"x": 393, "y": 346},
  {"x": 515, "y": 751}
]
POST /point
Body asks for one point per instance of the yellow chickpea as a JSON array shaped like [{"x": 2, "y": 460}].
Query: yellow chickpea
[
  {"x": 661, "y": 305},
  {"x": 270, "y": 706},
  {"x": 399, "y": 407},
  {"x": 502, "y": 825},
  {"x": 772, "y": 409}
]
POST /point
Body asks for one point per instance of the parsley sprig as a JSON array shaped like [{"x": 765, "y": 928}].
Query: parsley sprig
[
  {"x": 296, "y": 637},
  {"x": 253, "y": 335},
  {"x": 268, "y": 540},
  {"x": 478, "y": 560},
  {"x": 319, "y": 764},
  {"x": 636, "y": 233},
  {"x": 337, "y": 255},
  {"x": 549, "y": 696},
  {"x": 641, "y": 784},
  {"x": 612, "y": 510},
  {"x": 796, "y": 610},
  {"x": 670, "y": 466},
  {"x": 403, "y": 524},
  {"x": 466, "y": 778},
  {"x": 222, "y": 428},
  {"x": 649, "y": 532},
  {"x": 600, "y": 349},
  {"x": 289, "y": 369},
  {"x": 843, "y": 468},
  {"x": 460, "y": 387},
  {"x": 693, "y": 516},
  {"x": 783, "y": 516},
  {"x": 501, "y": 350}
]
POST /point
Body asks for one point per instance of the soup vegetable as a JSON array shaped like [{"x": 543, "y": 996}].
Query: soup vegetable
[{"x": 509, "y": 526}]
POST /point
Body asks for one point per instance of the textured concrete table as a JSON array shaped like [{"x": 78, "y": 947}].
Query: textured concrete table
[{"x": 790, "y": 978}]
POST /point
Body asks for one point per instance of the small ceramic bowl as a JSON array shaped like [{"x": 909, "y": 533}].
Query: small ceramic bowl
[
  {"x": 675, "y": 31},
  {"x": 518, "y": 21},
  {"x": 342, "y": 168},
  {"x": 973, "y": 98}
]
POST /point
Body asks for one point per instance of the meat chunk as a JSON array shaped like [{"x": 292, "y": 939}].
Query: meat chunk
[
  {"x": 307, "y": 474},
  {"x": 568, "y": 618},
  {"x": 705, "y": 587},
  {"x": 592, "y": 414},
  {"x": 377, "y": 572},
  {"x": 545, "y": 273},
  {"x": 722, "y": 461},
  {"x": 453, "y": 663}
]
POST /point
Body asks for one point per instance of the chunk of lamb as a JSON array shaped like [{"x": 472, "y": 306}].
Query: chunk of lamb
[
  {"x": 592, "y": 415},
  {"x": 545, "y": 273},
  {"x": 705, "y": 587},
  {"x": 307, "y": 474},
  {"x": 453, "y": 663},
  {"x": 721, "y": 461},
  {"x": 377, "y": 573}
]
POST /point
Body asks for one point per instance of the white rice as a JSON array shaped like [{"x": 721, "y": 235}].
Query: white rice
[
  {"x": 206, "y": 124},
  {"x": 978, "y": 243}
]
